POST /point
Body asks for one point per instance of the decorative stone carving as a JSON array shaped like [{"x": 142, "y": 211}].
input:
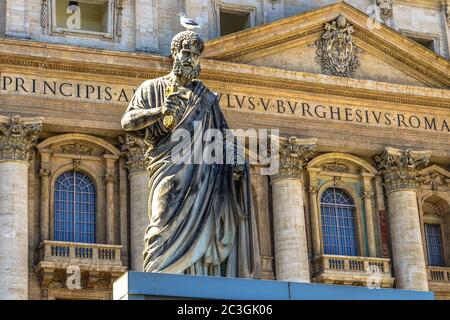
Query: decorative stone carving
[
  {"x": 447, "y": 14},
  {"x": 77, "y": 148},
  {"x": 367, "y": 195},
  {"x": 294, "y": 155},
  {"x": 430, "y": 209},
  {"x": 385, "y": 7},
  {"x": 119, "y": 9},
  {"x": 313, "y": 189},
  {"x": 44, "y": 172},
  {"x": 400, "y": 167},
  {"x": 44, "y": 15},
  {"x": 134, "y": 150},
  {"x": 18, "y": 137},
  {"x": 76, "y": 163},
  {"x": 335, "y": 167},
  {"x": 336, "y": 52},
  {"x": 434, "y": 180},
  {"x": 110, "y": 177}
]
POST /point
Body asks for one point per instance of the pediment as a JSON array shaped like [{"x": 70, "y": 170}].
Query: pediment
[
  {"x": 382, "y": 54},
  {"x": 435, "y": 177}
]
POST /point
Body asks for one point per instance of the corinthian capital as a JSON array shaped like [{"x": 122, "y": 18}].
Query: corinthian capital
[
  {"x": 400, "y": 168},
  {"x": 18, "y": 137},
  {"x": 293, "y": 157},
  {"x": 134, "y": 150}
]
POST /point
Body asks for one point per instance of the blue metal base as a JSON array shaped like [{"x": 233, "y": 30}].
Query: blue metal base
[{"x": 142, "y": 285}]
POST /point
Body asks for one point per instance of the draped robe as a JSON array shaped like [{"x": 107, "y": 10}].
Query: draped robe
[{"x": 201, "y": 219}]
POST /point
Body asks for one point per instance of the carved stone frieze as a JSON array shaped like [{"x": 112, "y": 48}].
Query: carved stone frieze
[
  {"x": 18, "y": 137},
  {"x": 385, "y": 7},
  {"x": 134, "y": 150},
  {"x": 336, "y": 52},
  {"x": 335, "y": 167},
  {"x": 293, "y": 157},
  {"x": 400, "y": 168},
  {"x": 77, "y": 148}
]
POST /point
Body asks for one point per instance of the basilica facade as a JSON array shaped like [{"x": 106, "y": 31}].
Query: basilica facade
[{"x": 358, "y": 89}]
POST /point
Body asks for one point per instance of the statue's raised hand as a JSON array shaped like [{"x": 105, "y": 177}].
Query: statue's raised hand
[{"x": 170, "y": 106}]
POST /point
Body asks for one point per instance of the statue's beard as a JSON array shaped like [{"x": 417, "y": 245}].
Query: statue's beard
[{"x": 185, "y": 72}]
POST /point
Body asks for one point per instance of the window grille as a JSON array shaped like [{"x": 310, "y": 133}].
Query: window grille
[
  {"x": 74, "y": 208},
  {"x": 338, "y": 223},
  {"x": 434, "y": 245}
]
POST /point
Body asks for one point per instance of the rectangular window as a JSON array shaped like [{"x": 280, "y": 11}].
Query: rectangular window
[
  {"x": 434, "y": 245},
  {"x": 233, "y": 21},
  {"x": 231, "y": 18},
  {"x": 427, "y": 43},
  {"x": 86, "y": 17},
  {"x": 427, "y": 40}
]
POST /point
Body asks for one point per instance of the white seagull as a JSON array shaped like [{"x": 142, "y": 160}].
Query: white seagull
[{"x": 188, "y": 23}]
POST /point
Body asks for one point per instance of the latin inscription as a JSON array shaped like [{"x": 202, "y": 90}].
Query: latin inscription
[{"x": 21, "y": 85}]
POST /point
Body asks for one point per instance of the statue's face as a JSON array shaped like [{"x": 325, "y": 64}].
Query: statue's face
[{"x": 187, "y": 62}]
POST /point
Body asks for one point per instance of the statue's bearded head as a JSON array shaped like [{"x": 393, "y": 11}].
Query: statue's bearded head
[{"x": 186, "y": 48}]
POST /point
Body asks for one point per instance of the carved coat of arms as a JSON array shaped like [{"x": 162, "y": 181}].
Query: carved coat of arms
[{"x": 336, "y": 52}]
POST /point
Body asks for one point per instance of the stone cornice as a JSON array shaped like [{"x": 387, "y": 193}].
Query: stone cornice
[
  {"x": 226, "y": 72},
  {"x": 400, "y": 168},
  {"x": 293, "y": 157},
  {"x": 18, "y": 137}
]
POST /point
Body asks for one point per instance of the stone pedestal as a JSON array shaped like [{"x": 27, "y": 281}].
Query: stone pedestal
[
  {"x": 134, "y": 150},
  {"x": 291, "y": 249},
  {"x": 399, "y": 169},
  {"x": 17, "y": 138}
]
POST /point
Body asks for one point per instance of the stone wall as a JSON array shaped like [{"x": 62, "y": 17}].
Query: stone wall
[
  {"x": 2, "y": 17},
  {"x": 148, "y": 25}
]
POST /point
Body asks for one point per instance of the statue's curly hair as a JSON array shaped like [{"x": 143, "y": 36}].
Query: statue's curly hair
[{"x": 190, "y": 36}]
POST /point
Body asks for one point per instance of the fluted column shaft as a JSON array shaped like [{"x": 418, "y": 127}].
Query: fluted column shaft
[
  {"x": 17, "y": 139},
  {"x": 399, "y": 169},
  {"x": 291, "y": 249}
]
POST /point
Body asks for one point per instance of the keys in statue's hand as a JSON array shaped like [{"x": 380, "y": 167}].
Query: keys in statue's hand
[{"x": 169, "y": 110}]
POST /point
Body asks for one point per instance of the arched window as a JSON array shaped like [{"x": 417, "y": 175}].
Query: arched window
[
  {"x": 338, "y": 223},
  {"x": 74, "y": 208}
]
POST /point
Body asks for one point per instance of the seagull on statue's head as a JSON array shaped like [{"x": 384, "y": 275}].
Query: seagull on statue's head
[{"x": 188, "y": 23}]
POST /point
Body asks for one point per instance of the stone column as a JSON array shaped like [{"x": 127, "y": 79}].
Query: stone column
[
  {"x": 110, "y": 179},
  {"x": 368, "y": 204},
  {"x": 44, "y": 174},
  {"x": 17, "y": 139},
  {"x": 134, "y": 150},
  {"x": 400, "y": 171},
  {"x": 260, "y": 190},
  {"x": 315, "y": 225},
  {"x": 291, "y": 249}
]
